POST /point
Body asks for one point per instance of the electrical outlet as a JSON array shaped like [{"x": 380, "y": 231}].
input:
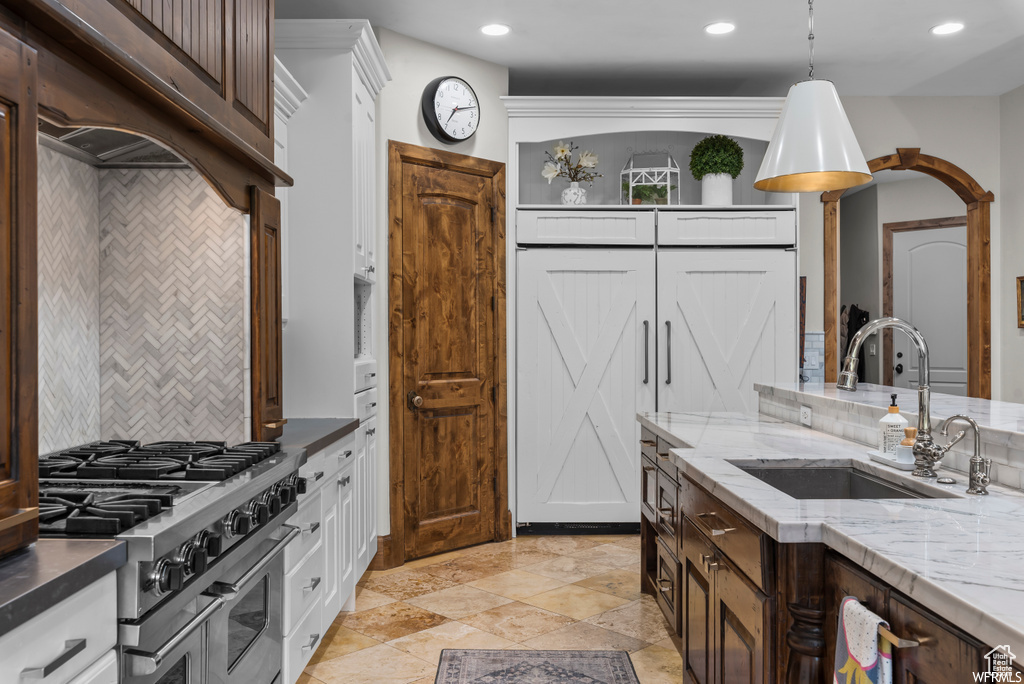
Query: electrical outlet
[
  {"x": 805, "y": 415},
  {"x": 871, "y": 350}
]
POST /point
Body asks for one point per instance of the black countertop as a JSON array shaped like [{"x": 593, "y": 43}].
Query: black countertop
[
  {"x": 314, "y": 434},
  {"x": 51, "y": 570}
]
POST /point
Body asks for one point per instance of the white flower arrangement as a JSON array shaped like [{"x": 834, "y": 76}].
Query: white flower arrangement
[{"x": 560, "y": 164}]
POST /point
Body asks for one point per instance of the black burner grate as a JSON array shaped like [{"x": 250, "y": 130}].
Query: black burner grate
[{"x": 106, "y": 511}]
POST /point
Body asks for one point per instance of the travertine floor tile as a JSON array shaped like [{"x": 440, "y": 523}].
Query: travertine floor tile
[
  {"x": 517, "y": 584},
  {"x": 428, "y": 644},
  {"x": 657, "y": 665},
  {"x": 470, "y": 568},
  {"x": 630, "y": 542},
  {"x": 338, "y": 641},
  {"x": 517, "y": 557},
  {"x": 368, "y": 598},
  {"x": 459, "y": 601},
  {"x": 584, "y": 637},
  {"x": 407, "y": 584},
  {"x": 517, "y": 621},
  {"x": 635, "y": 619},
  {"x": 306, "y": 679},
  {"x": 608, "y": 554},
  {"x": 392, "y": 621},
  {"x": 565, "y": 545},
  {"x": 378, "y": 665},
  {"x": 567, "y": 569},
  {"x": 576, "y": 602},
  {"x": 622, "y": 583}
]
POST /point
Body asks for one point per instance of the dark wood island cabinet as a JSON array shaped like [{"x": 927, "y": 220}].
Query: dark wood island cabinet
[{"x": 748, "y": 609}]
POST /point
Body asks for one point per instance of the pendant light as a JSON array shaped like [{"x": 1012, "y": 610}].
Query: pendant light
[{"x": 813, "y": 148}]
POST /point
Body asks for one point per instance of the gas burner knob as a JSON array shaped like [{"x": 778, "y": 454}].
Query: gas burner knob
[
  {"x": 259, "y": 512},
  {"x": 237, "y": 524},
  {"x": 285, "y": 492},
  {"x": 193, "y": 557},
  {"x": 167, "y": 576},
  {"x": 300, "y": 484},
  {"x": 213, "y": 543},
  {"x": 273, "y": 501}
]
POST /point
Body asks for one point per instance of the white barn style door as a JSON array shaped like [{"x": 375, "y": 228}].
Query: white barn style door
[
  {"x": 726, "y": 319},
  {"x": 581, "y": 365}
]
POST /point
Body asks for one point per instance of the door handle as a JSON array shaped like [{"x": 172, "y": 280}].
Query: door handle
[
  {"x": 647, "y": 327},
  {"x": 72, "y": 647},
  {"x": 668, "y": 352},
  {"x": 415, "y": 400},
  {"x": 141, "y": 663},
  {"x": 898, "y": 368}
]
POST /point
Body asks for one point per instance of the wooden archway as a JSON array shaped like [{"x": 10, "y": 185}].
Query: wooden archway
[{"x": 979, "y": 289}]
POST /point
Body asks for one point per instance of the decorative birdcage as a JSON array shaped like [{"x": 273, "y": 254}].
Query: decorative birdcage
[{"x": 651, "y": 177}]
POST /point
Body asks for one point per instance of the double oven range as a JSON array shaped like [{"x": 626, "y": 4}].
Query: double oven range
[{"x": 200, "y": 599}]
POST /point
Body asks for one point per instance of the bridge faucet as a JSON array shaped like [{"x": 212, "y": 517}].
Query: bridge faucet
[
  {"x": 981, "y": 468},
  {"x": 926, "y": 452}
]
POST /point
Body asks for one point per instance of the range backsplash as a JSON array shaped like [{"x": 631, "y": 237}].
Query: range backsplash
[{"x": 153, "y": 340}]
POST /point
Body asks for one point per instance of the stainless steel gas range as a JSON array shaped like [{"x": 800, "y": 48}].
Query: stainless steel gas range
[{"x": 200, "y": 599}]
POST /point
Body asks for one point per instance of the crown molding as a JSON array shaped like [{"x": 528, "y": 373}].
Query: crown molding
[
  {"x": 645, "y": 107},
  {"x": 345, "y": 35},
  {"x": 288, "y": 93}
]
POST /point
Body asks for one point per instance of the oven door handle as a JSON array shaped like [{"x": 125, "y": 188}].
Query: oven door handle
[
  {"x": 229, "y": 590},
  {"x": 141, "y": 663}
]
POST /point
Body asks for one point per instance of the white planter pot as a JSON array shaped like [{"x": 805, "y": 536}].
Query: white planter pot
[
  {"x": 716, "y": 190},
  {"x": 574, "y": 194}
]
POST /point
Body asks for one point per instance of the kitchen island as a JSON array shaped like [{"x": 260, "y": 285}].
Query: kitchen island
[{"x": 955, "y": 557}]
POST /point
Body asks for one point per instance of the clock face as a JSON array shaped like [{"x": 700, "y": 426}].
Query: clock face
[{"x": 450, "y": 109}]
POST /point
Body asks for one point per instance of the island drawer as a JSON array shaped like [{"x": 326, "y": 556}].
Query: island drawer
[
  {"x": 667, "y": 584},
  {"x": 666, "y": 510},
  {"x": 745, "y": 545},
  {"x": 649, "y": 489}
]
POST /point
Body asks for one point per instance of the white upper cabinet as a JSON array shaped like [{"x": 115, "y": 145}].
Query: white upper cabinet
[
  {"x": 594, "y": 226},
  {"x": 288, "y": 96},
  {"x": 364, "y": 131}
]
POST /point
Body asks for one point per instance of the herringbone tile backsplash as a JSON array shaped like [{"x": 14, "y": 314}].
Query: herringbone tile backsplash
[
  {"x": 172, "y": 298},
  {"x": 69, "y": 302},
  {"x": 141, "y": 306}
]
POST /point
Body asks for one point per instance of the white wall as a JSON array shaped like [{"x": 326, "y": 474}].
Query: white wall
[
  {"x": 413, "y": 64},
  {"x": 962, "y": 130},
  {"x": 1010, "y": 195},
  {"x": 859, "y": 281}
]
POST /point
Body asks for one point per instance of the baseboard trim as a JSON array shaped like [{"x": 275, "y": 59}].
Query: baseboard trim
[{"x": 526, "y": 529}]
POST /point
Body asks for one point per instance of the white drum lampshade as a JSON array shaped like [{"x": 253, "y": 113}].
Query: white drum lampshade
[{"x": 813, "y": 148}]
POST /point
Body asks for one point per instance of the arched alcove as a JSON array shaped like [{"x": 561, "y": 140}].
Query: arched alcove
[{"x": 979, "y": 290}]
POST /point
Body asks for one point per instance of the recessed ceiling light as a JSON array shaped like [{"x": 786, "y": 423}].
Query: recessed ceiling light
[
  {"x": 494, "y": 29},
  {"x": 946, "y": 29},
  {"x": 720, "y": 27}
]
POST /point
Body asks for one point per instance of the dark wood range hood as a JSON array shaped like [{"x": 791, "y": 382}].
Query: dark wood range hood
[{"x": 197, "y": 78}]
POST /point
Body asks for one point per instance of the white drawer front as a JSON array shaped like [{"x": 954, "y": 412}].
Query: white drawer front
[
  {"x": 303, "y": 586},
  {"x": 726, "y": 228},
  {"x": 103, "y": 671},
  {"x": 89, "y": 615},
  {"x": 300, "y": 644},
  {"x": 585, "y": 227},
  {"x": 307, "y": 519},
  {"x": 366, "y": 405},
  {"x": 366, "y": 374}
]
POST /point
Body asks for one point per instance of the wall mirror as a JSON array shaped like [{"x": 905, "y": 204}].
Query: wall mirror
[{"x": 915, "y": 244}]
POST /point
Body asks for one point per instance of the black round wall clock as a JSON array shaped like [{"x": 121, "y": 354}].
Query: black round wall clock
[{"x": 450, "y": 109}]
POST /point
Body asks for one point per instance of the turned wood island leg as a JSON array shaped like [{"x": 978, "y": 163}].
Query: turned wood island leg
[{"x": 801, "y": 586}]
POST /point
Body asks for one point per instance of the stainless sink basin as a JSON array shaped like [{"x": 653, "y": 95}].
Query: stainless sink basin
[{"x": 834, "y": 482}]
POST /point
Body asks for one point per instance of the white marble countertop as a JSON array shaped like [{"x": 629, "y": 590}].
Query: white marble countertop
[{"x": 961, "y": 557}]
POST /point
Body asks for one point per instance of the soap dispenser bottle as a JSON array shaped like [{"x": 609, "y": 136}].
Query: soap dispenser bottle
[{"x": 890, "y": 429}]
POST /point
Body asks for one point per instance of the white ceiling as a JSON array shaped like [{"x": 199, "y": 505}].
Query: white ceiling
[{"x": 650, "y": 47}]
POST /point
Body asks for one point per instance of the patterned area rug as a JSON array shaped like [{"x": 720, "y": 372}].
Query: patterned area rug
[{"x": 463, "y": 666}]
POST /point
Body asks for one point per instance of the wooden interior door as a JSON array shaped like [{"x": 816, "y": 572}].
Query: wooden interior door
[
  {"x": 265, "y": 319},
  {"x": 19, "y": 431},
  {"x": 446, "y": 349},
  {"x": 727, "y": 318},
  {"x": 585, "y": 327}
]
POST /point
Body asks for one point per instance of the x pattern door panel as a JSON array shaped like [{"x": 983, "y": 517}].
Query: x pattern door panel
[
  {"x": 727, "y": 320},
  {"x": 581, "y": 367}
]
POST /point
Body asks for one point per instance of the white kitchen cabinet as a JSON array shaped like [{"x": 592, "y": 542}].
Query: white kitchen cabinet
[
  {"x": 370, "y": 501},
  {"x": 726, "y": 320},
  {"x": 361, "y": 479},
  {"x": 62, "y": 642},
  {"x": 347, "y": 575},
  {"x": 586, "y": 366},
  {"x": 730, "y": 227},
  {"x": 103, "y": 671},
  {"x": 300, "y": 644},
  {"x": 596, "y": 226},
  {"x": 364, "y": 180},
  {"x": 288, "y": 95}
]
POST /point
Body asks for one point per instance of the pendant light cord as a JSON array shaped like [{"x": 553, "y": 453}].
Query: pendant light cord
[{"x": 810, "y": 38}]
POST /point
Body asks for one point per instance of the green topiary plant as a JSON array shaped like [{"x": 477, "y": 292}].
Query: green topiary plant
[{"x": 716, "y": 154}]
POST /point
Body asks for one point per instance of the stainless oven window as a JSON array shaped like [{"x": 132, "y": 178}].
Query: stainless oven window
[
  {"x": 247, "y": 621},
  {"x": 178, "y": 674}
]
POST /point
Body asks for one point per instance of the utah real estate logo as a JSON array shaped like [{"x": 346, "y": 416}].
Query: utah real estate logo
[{"x": 1000, "y": 666}]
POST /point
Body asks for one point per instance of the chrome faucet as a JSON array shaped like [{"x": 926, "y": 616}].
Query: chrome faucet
[
  {"x": 981, "y": 468},
  {"x": 926, "y": 452}
]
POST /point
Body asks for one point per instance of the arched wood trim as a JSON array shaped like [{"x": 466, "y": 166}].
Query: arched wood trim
[{"x": 979, "y": 262}]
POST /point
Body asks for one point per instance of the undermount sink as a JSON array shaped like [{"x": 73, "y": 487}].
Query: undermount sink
[{"x": 834, "y": 482}]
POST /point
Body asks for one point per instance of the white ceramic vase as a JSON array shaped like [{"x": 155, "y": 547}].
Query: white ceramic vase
[
  {"x": 716, "y": 190},
  {"x": 574, "y": 194}
]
